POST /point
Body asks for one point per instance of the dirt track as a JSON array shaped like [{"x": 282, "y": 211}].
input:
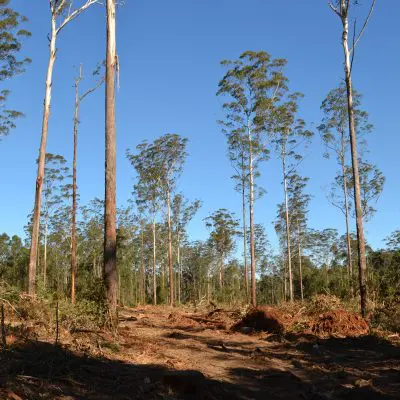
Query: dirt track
[{"x": 180, "y": 355}]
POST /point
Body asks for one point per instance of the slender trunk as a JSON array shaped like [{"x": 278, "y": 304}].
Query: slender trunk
[
  {"x": 221, "y": 266},
  {"x": 178, "y": 259},
  {"x": 142, "y": 284},
  {"x": 208, "y": 286},
  {"x": 300, "y": 261},
  {"x": 95, "y": 266},
  {"x": 289, "y": 256},
  {"x": 170, "y": 260},
  {"x": 45, "y": 251},
  {"x": 346, "y": 209},
  {"x": 154, "y": 264},
  {"x": 251, "y": 207},
  {"x": 110, "y": 235},
  {"x": 284, "y": 278},
  {"x": 272, "y": 289},
  {"x": 41, "y": 162},
  {"x": 246, "y": 271},
  {"x": 74, "y": 189},
  {"x": 362, "y": 266}
]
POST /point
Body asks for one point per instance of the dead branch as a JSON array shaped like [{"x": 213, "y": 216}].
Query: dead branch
[
  {"x": 371, "y": 10},
  {"x": 75, "y": 14}
]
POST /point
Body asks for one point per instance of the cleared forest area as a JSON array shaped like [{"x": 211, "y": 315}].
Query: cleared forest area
[{"x": 318, "y": 350}]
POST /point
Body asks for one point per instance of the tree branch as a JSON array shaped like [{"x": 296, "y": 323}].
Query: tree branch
[
  {"x": 364, "y": 26},
  {"x": 334, "y": 9},
  {"x": 76, "y": 13}
]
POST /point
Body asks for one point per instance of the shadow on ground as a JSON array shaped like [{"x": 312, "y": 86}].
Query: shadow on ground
[{"x": 363, "y": 368}]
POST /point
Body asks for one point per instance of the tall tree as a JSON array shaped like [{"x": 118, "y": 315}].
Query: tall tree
[
  {"x": 342, "y": 9},
  {"x": 11, "y": 34},
  {"x": 170, "y": 152},
  {"x": 148, "y": 192},
  {"x": 289, "y": 134},
  {"x": 182, "y": 213},
  {"x": 239, "y": 157},
  {"x": 254, "y": 84},
  {"x": 78, "y": 100},
  {"x": 333, "y": 130},
  {"x": 224, "y": 229},
  {"x": 110, "y": 229},
  {"x": 61, "y": 13},
  {"x": 299, "y": 205},
  {"x": 54, "y": 188}
]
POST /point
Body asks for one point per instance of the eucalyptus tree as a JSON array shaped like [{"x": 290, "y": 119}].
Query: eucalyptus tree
[
  {"x": 110, "y": 207},
  {"x": 393, "y": 241},
  {"x": 92, "y": 228},
  {"x": 183, "y": 212},
  {"x": 323, "y": 248},
  {"x": 262, "y": 248},
  {"x": 289, "y": 135},
  {"x": 299, "y": 205},
  {"x": 239, "y": 158},
  {"x": 62, "y": 13},
  {"x": 169, "y": 158},
  {"x": 253, "y": 84},
  {"x": 333, "y": 130},
  {"x": 148, "y": 191},
  {"x": 342, "y": 9},
  {"x": 12, "y": 34},
  {"x": 372, "y": 182},
  {"x": 223, "y": 230},
  {"x": 79, "y": 97},
  {"x": 54, "y": 192}
]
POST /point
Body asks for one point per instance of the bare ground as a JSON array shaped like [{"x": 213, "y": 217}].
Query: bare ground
[{"x": 160, "y": 353}]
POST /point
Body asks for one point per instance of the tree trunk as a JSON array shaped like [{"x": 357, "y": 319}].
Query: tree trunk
[
  {"x": 74, "y": 189},
  {"x": 178, "y": 259},
  {"x": 110, "y": 236},
  {"x": 300, "y": 261},
  {"x": 246, "y": 271},
  {"x": 142, "y": 283},
  {"x": 362, "y": 266},
  {"x": 41, "y": 163},
  {"x": 346, "y": 208},
  {"x": 45, "y": 252},
  {"x": 251, "y": 207},
  {"x": 289, "y": 255},
  {"x": 154, "y": 264},
  {"x": 170, "y": 260}
]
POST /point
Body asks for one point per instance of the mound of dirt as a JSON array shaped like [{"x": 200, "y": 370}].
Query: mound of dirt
[
  {"x": 261, "y": 319},
  {"x": 340, "y": 323}
]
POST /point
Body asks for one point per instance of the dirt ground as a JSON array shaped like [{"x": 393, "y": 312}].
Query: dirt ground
[{"x": 160, "y": 353}]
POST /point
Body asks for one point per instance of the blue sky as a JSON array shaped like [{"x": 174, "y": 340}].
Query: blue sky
[{"x": 169, "y": 55}]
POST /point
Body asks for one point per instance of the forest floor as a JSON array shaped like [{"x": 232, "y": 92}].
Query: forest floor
[{"x": 164, "y": 353}]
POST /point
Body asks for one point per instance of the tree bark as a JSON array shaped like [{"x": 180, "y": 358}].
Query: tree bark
[
  {"x": 362, "y": 265},
  {"x": 346, "y": 211},
  {"x": 246, "y": 271},
  {"x": 41, "y": 163},
  {"x": 178, "y": 259},
  {"x": 154, "y": 264},
  {"x": 45, "y": 251},
  {"x": 74, "y": 188},
  {"x": 289, "y": 255},
  {"x": 251, "y": 209},
  {"x": 110, "y": 237},
  {"x": 170, "y": 259},
  {"x": 142, "y": 284},
  {"x": 300, "y": 261}
]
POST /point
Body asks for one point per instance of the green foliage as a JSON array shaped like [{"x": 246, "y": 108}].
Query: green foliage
[{"x": 11, "y": 34}]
